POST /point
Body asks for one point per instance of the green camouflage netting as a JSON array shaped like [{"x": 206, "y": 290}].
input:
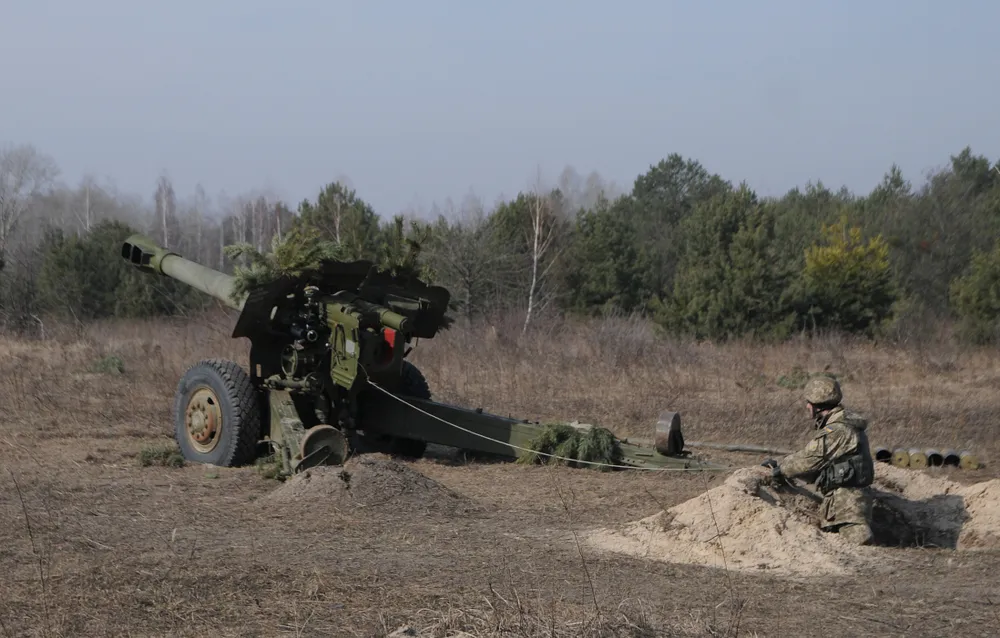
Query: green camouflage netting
[
  {"x": 596, "y": 445},
  {"x": 301, "y": 249}
]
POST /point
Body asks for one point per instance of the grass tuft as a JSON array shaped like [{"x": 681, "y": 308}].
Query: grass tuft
[
  {"x": 161, "y": 455},
  {"x": 109, "y": 364}
]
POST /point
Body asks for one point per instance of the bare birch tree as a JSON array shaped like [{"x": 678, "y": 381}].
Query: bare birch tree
[
  {"x": 199, "y": 211},
  {"x": 259, "y": 218},
  {"x": 85, "y": 213},
  {"x": 337, "y": 204},
  {"x": 544, "y": 250},
  {"x": 24, "y": 173},
  {"x": 166, "y": 207},
  {"x": 277, "y": 220},
  {"x": 240, "y": 226},
  {"x": 86, "y": 203},
  {"x": 222, "y": 244}
]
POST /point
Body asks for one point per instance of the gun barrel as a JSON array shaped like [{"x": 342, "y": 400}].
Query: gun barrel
[
  {"x": 143, "y": 253},
  {"x": 388, "y": 318}
]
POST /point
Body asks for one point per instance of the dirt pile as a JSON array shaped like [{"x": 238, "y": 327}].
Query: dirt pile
[
  {"x": 739, "y": 525},
  {"x": 746, "y": 524},
  {"x": 371, "y": 481}
]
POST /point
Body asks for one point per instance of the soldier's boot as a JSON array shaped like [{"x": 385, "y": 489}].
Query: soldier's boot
[{"x": 856, "y": 534}]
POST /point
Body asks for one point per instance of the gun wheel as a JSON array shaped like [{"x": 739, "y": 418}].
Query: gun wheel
[{"x": 217, "y": 414}]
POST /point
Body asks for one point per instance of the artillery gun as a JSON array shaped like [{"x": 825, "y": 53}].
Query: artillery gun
[{"x": 328, "y": 374}]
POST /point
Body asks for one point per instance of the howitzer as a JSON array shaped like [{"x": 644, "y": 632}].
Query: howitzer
[{"x": 328, "y": 374}]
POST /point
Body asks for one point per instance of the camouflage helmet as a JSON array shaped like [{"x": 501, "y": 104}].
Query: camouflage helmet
[{"x": 822, "y": 390}]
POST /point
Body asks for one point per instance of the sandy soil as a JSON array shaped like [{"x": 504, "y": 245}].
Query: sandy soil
[{"x": 747, "y": 524}]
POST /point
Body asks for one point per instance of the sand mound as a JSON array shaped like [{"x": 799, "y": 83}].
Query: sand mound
[
  {"x": 738, "y": 525},
  {"x": 745, "y": 524},
  {"x": 371, "y": 481}
]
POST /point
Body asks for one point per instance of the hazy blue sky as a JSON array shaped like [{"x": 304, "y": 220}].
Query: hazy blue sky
[{"x": 418, "y": 101}]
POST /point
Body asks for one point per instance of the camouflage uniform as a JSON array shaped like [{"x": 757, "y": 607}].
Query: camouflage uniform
[{"x": 838, "y": 460}]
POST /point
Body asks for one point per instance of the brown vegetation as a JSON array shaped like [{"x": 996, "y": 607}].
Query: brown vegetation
[{"x": 104, "y": 534}]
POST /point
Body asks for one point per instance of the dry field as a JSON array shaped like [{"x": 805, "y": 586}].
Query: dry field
[{"x": 101, "y": 537}]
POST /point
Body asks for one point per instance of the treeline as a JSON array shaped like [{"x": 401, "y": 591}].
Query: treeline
[{"x": 697, "y": 254}]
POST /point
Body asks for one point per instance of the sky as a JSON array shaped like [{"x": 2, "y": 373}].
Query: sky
[{"x": 416, "y": 102}]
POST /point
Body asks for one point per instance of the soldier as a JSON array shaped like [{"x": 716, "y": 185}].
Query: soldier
[{"x": 837, "y": 460}]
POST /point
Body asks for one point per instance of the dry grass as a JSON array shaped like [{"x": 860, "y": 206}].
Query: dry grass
[
  {"x": 618, "y": 374},
  {"x": 104, "y": 534},
  {"x": 613, "y": 372}
]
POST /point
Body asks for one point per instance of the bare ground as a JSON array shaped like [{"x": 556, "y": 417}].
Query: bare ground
[{"x": 95, "y": 543}]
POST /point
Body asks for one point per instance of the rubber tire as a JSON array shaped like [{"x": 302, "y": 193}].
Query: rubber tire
[
  {"x": 240, "y": 412},
  {"x": 412, "y": 383}
]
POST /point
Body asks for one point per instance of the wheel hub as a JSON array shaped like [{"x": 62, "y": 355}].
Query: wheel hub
[{"x": 203, "y": 419}]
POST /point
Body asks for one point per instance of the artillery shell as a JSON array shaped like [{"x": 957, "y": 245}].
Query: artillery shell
[
  {"x": 918, "y": 459},
  {"x": 934, "y": 458},
  {"x": 900, "y": 457},
  {"x": 968, "y": 460},
  {"x": 883, "y": 454}
]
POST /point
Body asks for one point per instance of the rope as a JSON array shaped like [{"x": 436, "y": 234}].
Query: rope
[{"x": 554, "y": 456}]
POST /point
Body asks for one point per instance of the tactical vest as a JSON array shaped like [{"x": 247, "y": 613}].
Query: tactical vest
[{"x": 851, "y": 470}]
